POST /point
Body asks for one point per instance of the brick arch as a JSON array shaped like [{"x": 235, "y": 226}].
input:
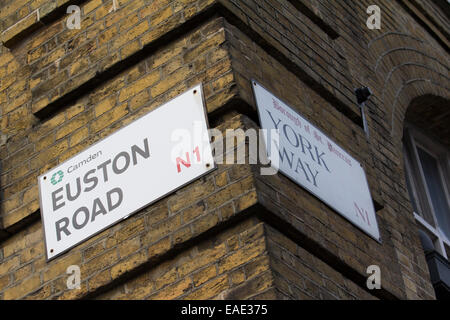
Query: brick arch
[
  {"x": 431, "y": 113},
  {"x": 408, "y": 51},
  {"x": 396, "y": 34},
  {"x": 406, "y": 68},
  {"x": 407, "y": 95},
  {"x": 407, "y": 72}
]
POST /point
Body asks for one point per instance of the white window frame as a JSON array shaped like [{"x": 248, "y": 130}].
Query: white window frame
[{"x": 414, "y": 138}]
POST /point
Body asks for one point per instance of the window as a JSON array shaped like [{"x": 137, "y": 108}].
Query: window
[{"x": 427, "y": 164}]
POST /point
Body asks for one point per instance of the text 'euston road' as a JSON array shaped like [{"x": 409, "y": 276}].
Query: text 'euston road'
[{"x": 88, "y": 182}]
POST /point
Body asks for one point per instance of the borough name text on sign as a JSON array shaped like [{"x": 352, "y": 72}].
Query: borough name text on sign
[
  {"x": 123, "y": 173},
  {"x": 312, "y": 160}
]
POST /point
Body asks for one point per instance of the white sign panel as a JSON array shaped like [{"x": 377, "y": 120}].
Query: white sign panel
[
  {"x": 315, "y": 162},
  {"x": 125, "y": 172}
]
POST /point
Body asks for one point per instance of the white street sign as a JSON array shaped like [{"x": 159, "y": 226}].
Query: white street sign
[
  {"x": 123, "y": 173},
  {"x": 315, "y": 162}
]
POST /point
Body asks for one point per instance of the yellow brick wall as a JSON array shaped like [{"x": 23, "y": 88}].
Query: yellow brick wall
[
  {"x": 137, "y": 242},
  {"x": 299, "y": 275},
  {"x": 62, "y": 90},
  {"x": 220, "y": 266}
]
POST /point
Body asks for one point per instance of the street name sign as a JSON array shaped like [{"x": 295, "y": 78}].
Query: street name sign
[
  {"x": 315, "y": 162},
  {"x": 124, "y": 172}
]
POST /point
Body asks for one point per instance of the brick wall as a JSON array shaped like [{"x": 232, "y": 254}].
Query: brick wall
[
  {"x": 233, "y": 233},
  {"x": 299, "y": 275},
  {"x": 223, "y": 265}
]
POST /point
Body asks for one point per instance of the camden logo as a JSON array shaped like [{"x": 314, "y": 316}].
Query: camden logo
[{"x": 57, "y": 177}]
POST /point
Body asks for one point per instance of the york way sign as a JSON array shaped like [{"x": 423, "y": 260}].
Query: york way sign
[
  {"x": 123, "y": 173},
  {"x": 312, "y": 160}
]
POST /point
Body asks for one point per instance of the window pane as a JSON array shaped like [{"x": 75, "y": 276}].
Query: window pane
[
  {"x": 417, "y": 198},
  {"x": 436, "y": 190},
  {"x": 411, "y": 194}
]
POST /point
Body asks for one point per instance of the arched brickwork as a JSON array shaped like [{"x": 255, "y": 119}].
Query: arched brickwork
[
  {"x": 408, "y": 72},
  {"x": 432, "y": 114},
  {"x": 407, "y": 68}
]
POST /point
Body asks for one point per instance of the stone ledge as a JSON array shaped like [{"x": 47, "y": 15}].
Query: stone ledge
[
  {"x": 423, "y": 17},
  {"x": 43, "y": 15},
  {"x": 104, "y": 70},
  {"x": 46, "y": 103},
  {"x": 314, "y": 14},
  {"x": 18, "y": 31}
]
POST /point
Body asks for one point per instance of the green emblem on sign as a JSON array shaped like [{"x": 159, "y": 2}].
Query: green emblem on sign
[{"x": 57, "y": 177}]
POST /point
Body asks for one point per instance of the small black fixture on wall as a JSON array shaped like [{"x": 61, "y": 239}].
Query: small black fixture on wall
[{"x": 362, "y": 95}]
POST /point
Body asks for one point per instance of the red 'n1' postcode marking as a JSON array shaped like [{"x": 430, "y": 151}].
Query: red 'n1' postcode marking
[
  {"x": 361, "y": 212},
  {"x": 187, "y": 162}
]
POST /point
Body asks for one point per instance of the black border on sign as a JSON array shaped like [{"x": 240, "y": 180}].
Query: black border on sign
[
  {"x": 254, "y": 83},
  {"x": 213, "y": 167}
]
